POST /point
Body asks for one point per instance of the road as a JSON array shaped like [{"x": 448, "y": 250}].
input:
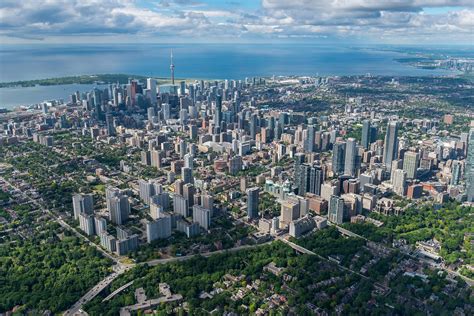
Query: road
[
  {"x": 207, "y": 254},
  {"x": 99, "y": 287},
  {"x": 309, "y": 252},
  {"x": 451, "y": 272},
  {"x": 62, "y": 222},
  {"x": 117, "y": 291},
  {"x": 93, "y": 293}
]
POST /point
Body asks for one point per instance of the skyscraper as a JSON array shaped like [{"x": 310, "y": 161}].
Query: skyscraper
[
  {"x": 338, "y": 157},
  {"x": 158, "y": 229},
  {"x": 456, "y": 172},
  {"x": 411, "y": 160},
  {"x": 252, "y": 202},
  {"x": 315, "y": 180},
  {"x": 336, "y": 209},
  {"x": 187, "y": 175},
  {"x": 253, "y": 125},
  {"x": 309, "y": 142},
  {"x": 82, "y": 204},
  {"x": 365, "y": 139},
  {"x": 390, "y": 149},
  {"x": 350, "y": 157},
  {"x": 202, "y": 216},
  {"x": 218, "y": 111},
  {"x": 119, "y": 209},
  {"x": 399, "y": 182}
]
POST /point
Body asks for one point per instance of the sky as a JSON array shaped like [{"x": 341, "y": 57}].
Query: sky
[{"x": 232, "y": 21}]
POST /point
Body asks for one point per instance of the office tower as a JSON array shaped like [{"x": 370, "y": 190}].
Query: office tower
[
  {"x": 336, "y": 209},
  {"x": 252, "y": 202},
  {"x": 182, "y": 88},
  {"x": 396, "y": 164},
  {"x": 97, "y": 99},
  {"x": 315, "y": 180},
  {"x": 119, "y": 209},
  {"x": 390, "y": 149},
  {"x": 182, "y": 148},
  {"x": 411, "y": 160},
  {"x": 235, "y": 165},
  {"x": 365, "y": 139},
  {"x": 456, "y": 172},
  {"x": 193, "y": 132},
  {"x": 350, "y": 157},
  {"x": 156, "y": 156},
  {"x": 188, "y": 161},
  {"x": 180, "y": 205},
  {"x": 338, "y": 157},
  {"x": 202, "y": 216},
  {"x": 290, "y": 210},
  {"x": 309, "y": 141},
  {"x": 302, "y": 178},
  {"x": 187, "y": 175},
  {"x": 166, "y": 109},
  {"x": 299, "y": 161},
  {"x": 469, "y": 172},
  {"x": 151, "y": 85},
  {"x": 218, "y": 111},
  {"x": 188, "y": 193},
  {"x": 82, "y": 204},
  {"x": 109, "y": 122},
  {"x": 158, "y": 229},
  {"x": 399, "y": 182},
  {"x": 86, "y": 223},
  {"x": 253, "y": 125},
  {"x": 151, "y": 113},
  {"x": 172, "y": 67}
]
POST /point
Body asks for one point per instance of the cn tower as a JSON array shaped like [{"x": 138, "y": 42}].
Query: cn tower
[{"x": 172, "y": 68}]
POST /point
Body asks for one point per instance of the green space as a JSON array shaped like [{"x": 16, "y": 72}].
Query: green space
[
  {"x": 451, "y": 225},
  {"x": 50, "y": 271}
]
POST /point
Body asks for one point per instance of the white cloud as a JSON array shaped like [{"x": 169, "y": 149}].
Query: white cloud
[{"x": 365, "y": 19}]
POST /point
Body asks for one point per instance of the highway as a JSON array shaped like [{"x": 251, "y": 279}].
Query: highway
[
  {"x": 309, "y": 252},
  {"x": 99, "y": 287},
  {"x": 117, "y": 291}
]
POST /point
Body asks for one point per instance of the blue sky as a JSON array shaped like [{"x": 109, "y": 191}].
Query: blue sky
[{"x": 349, "y": 21}]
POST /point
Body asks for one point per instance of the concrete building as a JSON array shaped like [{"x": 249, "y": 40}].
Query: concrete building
[
  {"x": 202, "y": 216},
  {"x": 301, "y": 226},
  {"x": 336, "y": 210},
  {"x": 82, "y": 204},
  {"x": 86, "y": 223},
  {"x": 158, "y": 229},
  {"x": 252, "y": 202}
]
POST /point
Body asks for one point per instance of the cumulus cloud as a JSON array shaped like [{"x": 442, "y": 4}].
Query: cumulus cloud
[{"x": 372, "y": 19}]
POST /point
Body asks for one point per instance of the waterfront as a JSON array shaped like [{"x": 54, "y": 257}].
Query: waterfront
[
  {"x": 25, "y": 96},
  {"x": 232, "y": 61}
]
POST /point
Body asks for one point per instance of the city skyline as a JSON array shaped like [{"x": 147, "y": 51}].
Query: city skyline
[{"x": 123, "y": 21}]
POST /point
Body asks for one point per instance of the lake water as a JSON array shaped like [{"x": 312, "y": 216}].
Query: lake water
[{"x": 227, "y": 61}]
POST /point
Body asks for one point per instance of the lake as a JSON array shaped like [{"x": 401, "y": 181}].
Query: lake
[{"x": 226, "y": 61}]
